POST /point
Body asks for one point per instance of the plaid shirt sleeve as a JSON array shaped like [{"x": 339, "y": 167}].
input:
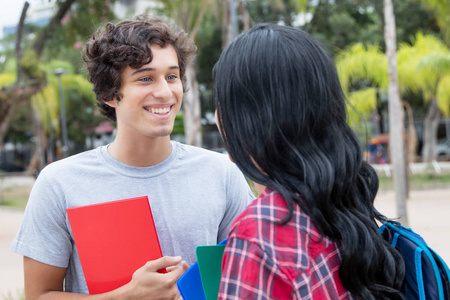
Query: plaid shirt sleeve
[
  {"x": 266, "y": 260},
  {"x": 249, "y": 273}
]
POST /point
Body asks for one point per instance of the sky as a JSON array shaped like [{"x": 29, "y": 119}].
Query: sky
[{"x": 10, "y": 11}]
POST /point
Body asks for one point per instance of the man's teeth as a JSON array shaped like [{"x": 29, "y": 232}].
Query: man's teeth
[{"x": 160, "y": 111}]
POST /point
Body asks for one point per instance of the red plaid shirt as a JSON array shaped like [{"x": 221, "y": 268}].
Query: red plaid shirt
[{"x": 264, "y": 260}]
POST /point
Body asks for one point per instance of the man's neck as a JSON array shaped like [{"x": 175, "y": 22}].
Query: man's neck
[{"x": 143, "y": 153}]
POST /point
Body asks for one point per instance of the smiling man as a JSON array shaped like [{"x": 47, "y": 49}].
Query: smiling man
[{"x": 138, "y": 69}]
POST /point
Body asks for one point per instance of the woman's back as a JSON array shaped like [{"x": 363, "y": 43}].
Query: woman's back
[{"x": 276, "y": 261}]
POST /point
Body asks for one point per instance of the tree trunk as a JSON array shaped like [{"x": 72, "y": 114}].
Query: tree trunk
[
  {"x": 41, "y": 140},
  {"x": 227, "y": 27},
  {"x": 24, "y": 88},
  {"x": 4, "y": 125},
  {"x": 44, "y": 34},
  {"x": 411, "y": 144},
  {"x": 430, "y": 132},
  {"x": 191, "y": 109},
  {"x": 10, "y": 100},
  {"x": 395, "y": 115},
  {"x": 411, "y": 136},
  {"x": 19, "y": 35},
  {"x": 246, "y": 18}
]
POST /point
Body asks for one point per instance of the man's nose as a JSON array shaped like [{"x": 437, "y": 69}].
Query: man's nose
[{"x": 162, "y": 89}]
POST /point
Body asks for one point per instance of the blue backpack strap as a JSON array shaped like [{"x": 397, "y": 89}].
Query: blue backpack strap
[
  {"x": 445, "y": 272},
  {"x": 404, "y": 231},
  {"x": 419, "y": 275}
]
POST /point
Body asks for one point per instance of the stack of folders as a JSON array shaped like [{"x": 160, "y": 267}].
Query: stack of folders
[
  {"x": 114, "y": 239},
  {"x": 202, "y": 280}
]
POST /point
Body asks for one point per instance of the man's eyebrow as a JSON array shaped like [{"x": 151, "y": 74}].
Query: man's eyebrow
[{"x": 152, "y": 69}]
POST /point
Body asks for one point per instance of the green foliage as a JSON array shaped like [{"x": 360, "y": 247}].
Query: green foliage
[
  {"x": 178, "y": 127},
  {"x": 360, "y": 62},
  {"x": 443, "y": 95},
  {"x": 7, "y": 79},
  {"x": 86, "y": 17},
  {"x": 80, "y": 107},
  {"x": 441, "y": 9},
  {"x": 362, "y": 104},
  {"x": 411, "y": 18},
  {"x": 185, "y": 12},
  {"x": 30, "y": 65},
  {"x": 341, "y": 23},
  {"x": 422, "y": 66},
  {"x": 20, "y": 129},
  {"x": 79, "y": 102},
  {"x": 67, "y": 40},
  {"x": 54, "y": 64},
  {"x": 209, "y": 42}
]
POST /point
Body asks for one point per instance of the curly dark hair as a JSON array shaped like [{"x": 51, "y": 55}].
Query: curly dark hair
[{"x": 116, "y": 46}]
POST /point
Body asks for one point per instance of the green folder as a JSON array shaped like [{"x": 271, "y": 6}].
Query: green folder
[{"x": 209, "y": 260}]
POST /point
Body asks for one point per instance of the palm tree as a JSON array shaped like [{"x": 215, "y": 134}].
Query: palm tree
[
  {"x": 29, "y": 78},
  {"x": 441, "y": 8},
  {"x": 362, "y": 63},
  {"x": 395, "y": 114},
  {"x": 46, "y": 109},
  {"x": 424, "y": 67}
]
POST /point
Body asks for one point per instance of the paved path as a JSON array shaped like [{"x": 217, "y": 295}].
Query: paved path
[
  {"x": 428, "y": 212},
  {"x": 11, "y": 272}
]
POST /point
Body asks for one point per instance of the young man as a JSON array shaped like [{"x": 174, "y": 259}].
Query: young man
[{"x": 138, "y": 71}]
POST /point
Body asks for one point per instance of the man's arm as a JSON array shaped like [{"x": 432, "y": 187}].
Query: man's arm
[{"x": 43, "y": 281}]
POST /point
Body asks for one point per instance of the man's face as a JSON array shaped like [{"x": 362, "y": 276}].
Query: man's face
[{"x": 152, "y": 96}]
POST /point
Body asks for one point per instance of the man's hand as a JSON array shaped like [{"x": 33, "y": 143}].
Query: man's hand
[
  {"x": 46, "y": 282},
  {"x": 147, "y": 283}
]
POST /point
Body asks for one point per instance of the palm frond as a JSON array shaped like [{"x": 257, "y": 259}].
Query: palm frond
[{"x": 443, "y": 95}]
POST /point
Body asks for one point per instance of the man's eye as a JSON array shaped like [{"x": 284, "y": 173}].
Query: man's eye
[
  {"x": 171, "y": 77},
  {"x": 145, "y": 79}
]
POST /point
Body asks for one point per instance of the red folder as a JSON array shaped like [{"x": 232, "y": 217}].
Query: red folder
[{"x": 114, "y": 239}]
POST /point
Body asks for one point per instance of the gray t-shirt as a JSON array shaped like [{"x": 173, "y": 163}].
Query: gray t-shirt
[{"x": 194, "y": 194}]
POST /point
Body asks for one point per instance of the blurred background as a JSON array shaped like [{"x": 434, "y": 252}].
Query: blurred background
[
  {"x": 47, "y": 107},
  {"x": 392, "y": 57}
]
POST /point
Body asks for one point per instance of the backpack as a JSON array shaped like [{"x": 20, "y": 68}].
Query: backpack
[{"x": 426, "y": 273}]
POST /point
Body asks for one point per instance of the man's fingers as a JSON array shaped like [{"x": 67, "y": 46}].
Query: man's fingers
[
  {"x": 163, "y": 262},
  {"x": 177, "y": 271}
]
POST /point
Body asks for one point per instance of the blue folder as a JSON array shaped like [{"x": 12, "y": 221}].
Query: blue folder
[{"x": 190, "y": 283}]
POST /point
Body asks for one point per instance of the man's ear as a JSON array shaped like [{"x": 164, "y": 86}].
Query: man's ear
[{"x": 112, "y": 103}]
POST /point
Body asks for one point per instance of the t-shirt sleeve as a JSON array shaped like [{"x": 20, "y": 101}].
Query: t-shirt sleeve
[
  {"x": 239, "y": 196},
  {"x": 43, "y": 234}
]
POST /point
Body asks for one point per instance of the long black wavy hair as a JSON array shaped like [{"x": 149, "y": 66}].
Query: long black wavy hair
[{"x": 282, "y": 115}]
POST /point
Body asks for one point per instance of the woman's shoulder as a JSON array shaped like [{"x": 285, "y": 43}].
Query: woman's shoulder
[{"x": 266, "y": 215}]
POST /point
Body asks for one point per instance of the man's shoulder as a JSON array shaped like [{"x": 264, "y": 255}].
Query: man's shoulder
[
  {"x": 194, "y": 152},
  {"x": 75, "y": 161}
]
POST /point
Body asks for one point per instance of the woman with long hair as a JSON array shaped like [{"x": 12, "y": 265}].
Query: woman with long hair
[{"x": 312, "y": 233}]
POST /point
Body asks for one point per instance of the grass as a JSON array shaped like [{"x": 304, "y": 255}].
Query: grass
[
  {"x": 15, "y": 197},
  {"x": 418, "y": 181},
  {"x": 19, "y": 295}
]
